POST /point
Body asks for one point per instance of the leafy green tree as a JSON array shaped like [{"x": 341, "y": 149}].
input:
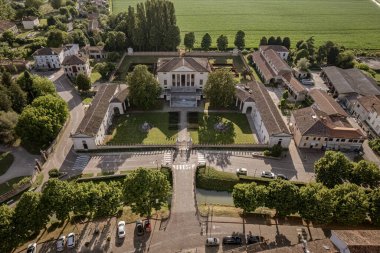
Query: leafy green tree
[
  {"x": 333, "y": 55},
  {"x": 282, "y": 196},
  {"x": 56, "y": 107},
  {"x": 302, "y": 53},
  {"x": 375, "y": 145},
  {"x": 247, "y": 197},
  {"x": 5, "y": 100},
  {"x": 222, "y": 43},
  {"x": 77, "y": 36},
  {"x": 8, "y": 122},
  {"x": 351, "y": 204},
  {"x": 143, "y": 87},
  {"x": 18, "y": 97},
  {"x": 57, "y": 198},
  {"x": 374, "y": 206},
  {"x": 278, "y": 41},
  {"x": 146, "y": 189},
  {"x": 34, "y": 4},
  {"x": 56, "y": 4},
  {"x": 240, "y": 40},
  {"x": 83, "y": 82},
  {"x": 316, "y": 203},
  {"x": 42, "y": 86},
  {"x": 263, "y": 41},
  {"x": 6, "y": 79},
  {"x": 172, "y": 38},
  {"x": 189, "y": 40},
  {"x": 220, "y": 88},
  {"x": 206, "y": 42},
  {"x": 6, "y": 10},
  {"x": 285, "y": 94},
  {"x": 9, "y": 37},
  {"x": 303, "y": 64},
  {"x": 56, "y": 38},
  {"x": 272, "y": 40},
  {"x": 365, "y": 173},
  {"x": 6, "y": 228},
  {"x": 104, "y": 69},
  {"x": 332, "y": 169},
  {"x": 346, "y": 60},
  {"x": 286, "y": 42},
  {"x": 85, "y": 197},
  {"x": 116, "y": 41},
  {"x": 109, "y": 198}
]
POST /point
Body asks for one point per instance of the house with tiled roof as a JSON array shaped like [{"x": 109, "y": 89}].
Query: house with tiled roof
[
  {"x": 95, "y": 52},
  {"x": 48, "y": 58},
  {"x": 29, "y": 22},
  {"x": 183, "y": 78},
  {"x": 75, "y": 64},
  {"x": 270, "y": 63},
  {"x": 110, "y": 100},
  {"x": 367, "y": 111},
  {"x": 6, "y": 25},
  {"x": 356, "y": 241},
  {"x": 254, "y": 100}
]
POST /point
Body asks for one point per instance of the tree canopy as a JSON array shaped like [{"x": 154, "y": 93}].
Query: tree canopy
[
  {"x": 189, "y": 40},
  {"x": 222, "y": 43},
  {"x": 282, "y": 196},
  {"x": 248, "y": 196},
  {"x": 83, "y": 82},
  {"x": 365, "y": 173},
  {"x": 206, "y": 42},
  {"x": 220, "y": 88},
  {"x": 240, "y": 40}
]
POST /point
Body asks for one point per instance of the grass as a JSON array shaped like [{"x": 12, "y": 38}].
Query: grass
[
  {"x": 95, "y": 76},
  {"x": 87, "y": 101},
  {"x": 238, "y": 132},
  {"x": 7, "y": 186},
  {"x": 352, "y": 23},
  {"x": 127, "y": 129},
  {"x": 38, "y": 181},
  {"x": 377, "y": 77},
  {"x": 6, "y": 160}
]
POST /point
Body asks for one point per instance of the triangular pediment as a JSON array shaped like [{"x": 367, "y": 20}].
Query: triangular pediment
[{"x": 183, "y": 69}]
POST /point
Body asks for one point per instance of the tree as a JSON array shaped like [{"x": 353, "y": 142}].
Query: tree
[
  {"x": 56, "y": 107},
  {"x": 146, "y": 189},
  {"x": 303, "y": 64},
  {"x": 247, "y": 197},
  {"x": 302, "y": 53},
  {"x": 286, "y": 42},
  {"x": 116, "y": 41},
  {"x": 104, "y": 68},
  {"x": 143, "y": 87},
  {"x": 240, "y": 40},
  {"x": 109, "y": 198},
  {"x": 317, "y": 203},
  {"x": 220, "y": 88},
  {"x": 282, "y": 196},
  {"x": 6, "y": 227},
  {"x": 5, "y": 100},
  {"x": 77, "y": 36},
  {"x": 57, "y": 198},
  {"x": 333, "y": 55},
  {"x": 375, "y": 145},
  {"x": 18, "y": 97},
  {"x": 272, "y": 40},
  {"x": 56, "y": 4},
  {"x": 285, "y": 94},
  {"x": 222, "y": 43},
  {"x": 332, "y": 169},
  {"x": 6, "y": 10},
  {"x": 278, "y": 41},
  {"x": 346, "y": 60},
  {"x": 56, "y": 38},
  {"x": 9, "y": 37},
  {"x": 189, "y": 40},
  {"x": 374, "y": 206},
  {"x": 34, "y": 4},
  {"x": 172, "y": 38},
  {"x": 366, "y": 174},
  {"x": 351, "y": 204},
  {"x": 83, "y": 82},
  {"x": 8, "y": 122},
  {"x": 206, "y": 42},
  {"x": 263, "y": 41},
  {"x": 6, "y": 79}
]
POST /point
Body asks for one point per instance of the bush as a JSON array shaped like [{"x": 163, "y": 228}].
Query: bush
[
  {"x": 21, "y": 182},
  {"x": 209, "y": 178},
  {"x": 267, "y": 152},
  {"x": 275, "y": 151},
  {"x": 375, "y": 145},
  {"x": 54, "y": 173}
]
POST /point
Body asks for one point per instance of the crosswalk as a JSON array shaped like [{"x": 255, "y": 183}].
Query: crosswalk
[
  {"x": 183, "y": 166},
  {"x": 81, "y": 162},
  {"x": 168, "y": 159}
]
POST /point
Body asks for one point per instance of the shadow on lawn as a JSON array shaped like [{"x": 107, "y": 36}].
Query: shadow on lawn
[{"x": 210, "y": 134}]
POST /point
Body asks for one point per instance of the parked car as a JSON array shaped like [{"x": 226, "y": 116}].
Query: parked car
[
  {"x": 268, "y": 174},
  {"x": 147, "y": 226},
  {"x": 282, "y": 176},
  {"x": 121, "y": 229},
  {"x": 71, "y": 240},
  {"x": 307, "y": 81},
  {"x": 252, "y": 239},
  {"x": 139, "y": 227},
  {"x": 32, "y": 248},
  {"x": 241, "y": 171},
  {"x": 212, "y": 241},
  {"x": 232, "y": 240},
  {"x": 61, "y": 243}
]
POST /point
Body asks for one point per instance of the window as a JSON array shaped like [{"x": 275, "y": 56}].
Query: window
[
  {"x": 319, "y": 138},
  {"x": 361, "y": 141},
  {"x": 201, "y": 82},
  {"x": 307, "y": 138},
  {"x": 314, "y": 138},
  {"x": 342, "y": 140},
  {"x": 337, "y": 140},
  {"x": 358, "y": 106},
  {"x": 355, "y": 141},
  {"x": 165, "y": 82},
  {"x": 304, "y": 144},
  {"x": 350, "y": 140},
  {"x": 331, "y": 139},
  {"x": 325, "y": 139}
]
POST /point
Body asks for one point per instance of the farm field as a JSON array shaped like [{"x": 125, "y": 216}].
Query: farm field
[{"x": 351, "y": 23}]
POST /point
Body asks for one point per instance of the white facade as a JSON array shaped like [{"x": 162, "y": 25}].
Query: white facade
[
  {"x": 74, "y": 70},
  {"x": 182, "y": 77},
  {"x": 71, "y": 49},
  {"x": 30, "y": 24},
  {"x": 49, "y": 61},
  {"x": 373, "y": 120}
]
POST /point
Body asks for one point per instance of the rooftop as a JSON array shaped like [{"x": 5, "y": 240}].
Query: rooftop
[
  {"x": 351, "y": 81},
  {"x": 326, "y": 103},
  {"x": 277, "y": 48},
  {"x": 360, "y": 241},
  {"x": 74, "y": 60},
  {"x": 293, "y": 83},
  {"x": 48, "y": 51},
  {"x": 29, "y": 18},
  {"x": 264, "y": 67},
  {"x": 5, "y": 25},
  {"x": 370, "y": 103},
  {"x": 275, "y": 60},
  {"x": 195, "y": 64}
]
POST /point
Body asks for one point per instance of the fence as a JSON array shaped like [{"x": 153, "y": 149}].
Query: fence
[
  {"x": 4, "y": 197},
  {"x": 160, "y": 54},
  {"x": 208, "y": 54}
]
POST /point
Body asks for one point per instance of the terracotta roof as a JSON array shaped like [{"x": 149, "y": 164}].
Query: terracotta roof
[
  {"x": 5, "y": 25},
  {"x": 360, "y": 241},
  {"x": 264, "y": 67},
  {"x": 293, "y": 83},
  {"x": 370, "y": 103},
  {"x": 317, "y": 246},
  {"x": 195, "y": 64},
  {"x": 351, "y": 81},
  {"x": 277, "y": 48},
  {"x": 74, "y": 60},
  {"x": 95, "y": 48},
  {"x": 268, "y": 111},
  {"x": 122, "y": 95},
  {"x": 281, "y": 67},
  {"x": 313, "y": 122},
  {"x": 48, "y": 51},
  {"x": 29, "y": 18},
  {"x": 94, "y": 116},
  {"x": 326, "y": 103}
]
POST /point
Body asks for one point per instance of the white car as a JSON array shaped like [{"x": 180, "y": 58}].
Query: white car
[
  {"x": 32, "y": 248},
  {"x": 61, "y": 243},
  {"x": 71, "y": 240},
  {"x": 241, "y": 171},
  {"x": 121, "y": 229},
  {"x": 212, "y": 241},
  {"x": 268, "y": 174}
]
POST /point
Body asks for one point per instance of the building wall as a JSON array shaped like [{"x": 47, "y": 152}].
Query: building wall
[
  {"x": 359, "y": 112},
  {"x": 198, "y": 76},
  {"x": 373, "y": 120},
  {"x": 48, "y": 61},
  {"x": 29, "y": 25},
  {"x": 78, "y": 143},
  {"x": 74, "y": 50},
  {"x": 83, "y": 68}
]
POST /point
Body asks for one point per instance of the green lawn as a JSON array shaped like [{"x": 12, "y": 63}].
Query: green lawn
[
  {"x": 377, "y": 77},
  {"x": 95, "y": 76},
  {"x": 127, "y": 130},
  {"x": 352, "y": 23},
  {"x": 239, "y": 132},
  {"x": 6, "y": 160}
]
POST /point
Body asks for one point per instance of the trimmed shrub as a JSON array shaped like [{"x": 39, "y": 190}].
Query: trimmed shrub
[{"x": 54, "y": 173}]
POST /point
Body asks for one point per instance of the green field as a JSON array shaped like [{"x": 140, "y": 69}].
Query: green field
[{"x": 352, "y": 23}]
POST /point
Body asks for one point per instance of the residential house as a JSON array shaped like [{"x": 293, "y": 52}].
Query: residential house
[
  {"x": 110, "y": 100},
  {"x": 30, "y": 22},
  {"x": 348, "y": 84},
  {"x": 48, "y": 58},
  {"x": 254, "y": 100},
  {"x": 6, "y": 25},
  {"x": 272, "y": 68},
  {"x": 75, "y": 64},
  {"x": 182, "y": 79},
  {"x": 282, "y": 51},
  {"x": 356, "y": 241},
  {"x": 367, "y": 111},
  {"x": 70, "y": 49},
  {"x": 96, "y": 52}
]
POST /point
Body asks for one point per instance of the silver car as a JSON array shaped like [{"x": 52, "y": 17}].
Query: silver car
[
  {"x": 61, "y": 243},
  {"x": 212, "y": 241},
  {"x": 71, "y": 240},
  {"x": 268, "y": 174},
  {"x": 121, "y": 229},
  {"x": 32, "y": 248}
]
